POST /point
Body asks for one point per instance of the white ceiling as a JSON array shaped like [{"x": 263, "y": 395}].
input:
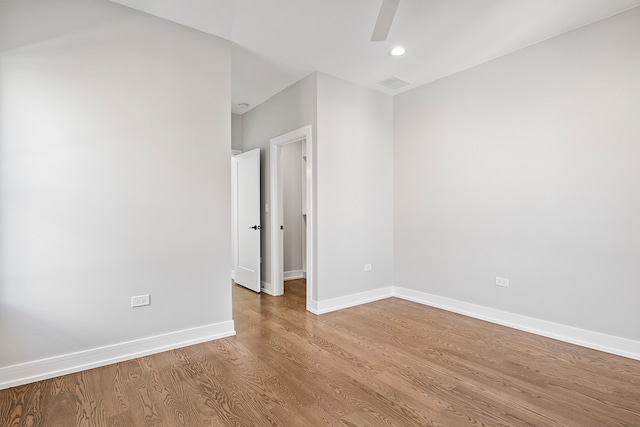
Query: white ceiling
[{"x": 277, "y": 42}]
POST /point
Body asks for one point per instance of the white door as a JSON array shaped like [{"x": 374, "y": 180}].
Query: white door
[{"x": 246, "y": 177}]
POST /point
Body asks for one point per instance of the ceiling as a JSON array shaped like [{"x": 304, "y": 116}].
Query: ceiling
[{"x": 278, "y": 42}]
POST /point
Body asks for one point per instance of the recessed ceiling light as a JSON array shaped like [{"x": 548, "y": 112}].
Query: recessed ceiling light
[
  {"x": 243, "y": 106},
  {"x": 398, "y": 51}
]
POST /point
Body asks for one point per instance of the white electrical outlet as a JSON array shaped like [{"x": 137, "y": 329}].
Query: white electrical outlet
[
  {"x": 368, "y": 267},
  {"x": 140, "y": 300},
  {"x": 502, "y": 281}
]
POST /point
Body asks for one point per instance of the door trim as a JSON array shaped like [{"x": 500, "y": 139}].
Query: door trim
[{"x": 275, "y": 184}]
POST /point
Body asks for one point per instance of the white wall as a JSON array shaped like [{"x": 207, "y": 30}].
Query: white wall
[
  {"x": 291, "y": 165},
  {"x": 115, "y": 178},
  {"x": 527, "y": 167},
  {"x": 355, "y": 188},
  {"x": 290, "y": 109},
  {"x": 236, "y": 131}
]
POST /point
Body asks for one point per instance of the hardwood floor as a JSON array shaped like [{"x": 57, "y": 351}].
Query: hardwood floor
[{"x": 391, "y": 362}]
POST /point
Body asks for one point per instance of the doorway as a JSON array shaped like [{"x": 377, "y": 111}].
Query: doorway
[
  {"x": 292, "y": 165},
  {"x": 303, "y": 135}
]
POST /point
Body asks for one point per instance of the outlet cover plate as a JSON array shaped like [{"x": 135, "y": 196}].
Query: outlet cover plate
[
  {"x": 502, "y": 281},
  {"x": 140, "y": 300}
]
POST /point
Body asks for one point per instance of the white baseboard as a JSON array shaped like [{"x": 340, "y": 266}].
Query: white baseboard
[
  {"x": 37, "y": 370},
  {"x": 312, "y": 306},
  {"x": 15, "y": 375},
  {"x": 326, "y": 306},
  {"x": 292, "y": 275},
  {"x": 267, "y": 288},
  {"x": 585, "y": 338}
]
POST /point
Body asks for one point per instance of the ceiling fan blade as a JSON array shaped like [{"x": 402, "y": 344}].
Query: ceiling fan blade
[{"x": 385, "y": 19}]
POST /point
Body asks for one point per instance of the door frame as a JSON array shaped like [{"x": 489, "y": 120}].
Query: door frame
[{"x": 275, "y": 184}]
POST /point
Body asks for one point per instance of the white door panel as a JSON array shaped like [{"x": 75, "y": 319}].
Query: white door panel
[{"x": 246, "y": 170}]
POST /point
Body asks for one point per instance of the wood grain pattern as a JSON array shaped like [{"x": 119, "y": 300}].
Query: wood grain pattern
[{"x": 391, "y": 362}]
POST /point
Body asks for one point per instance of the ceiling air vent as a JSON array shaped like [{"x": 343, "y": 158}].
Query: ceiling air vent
[{"x": 394, "y": 83}]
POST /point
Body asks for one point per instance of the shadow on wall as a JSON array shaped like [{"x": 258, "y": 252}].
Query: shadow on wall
[
  {"x": 3, "y": 344},
  {"x": 28, "y": 297},
  {"x": 21, "y": 331},
  {"x": 33, "y": 23},
  {"x": 5, "y": 321},
  {"x": 28, "y": 30},
  {"x": 18, "y": 344}
]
